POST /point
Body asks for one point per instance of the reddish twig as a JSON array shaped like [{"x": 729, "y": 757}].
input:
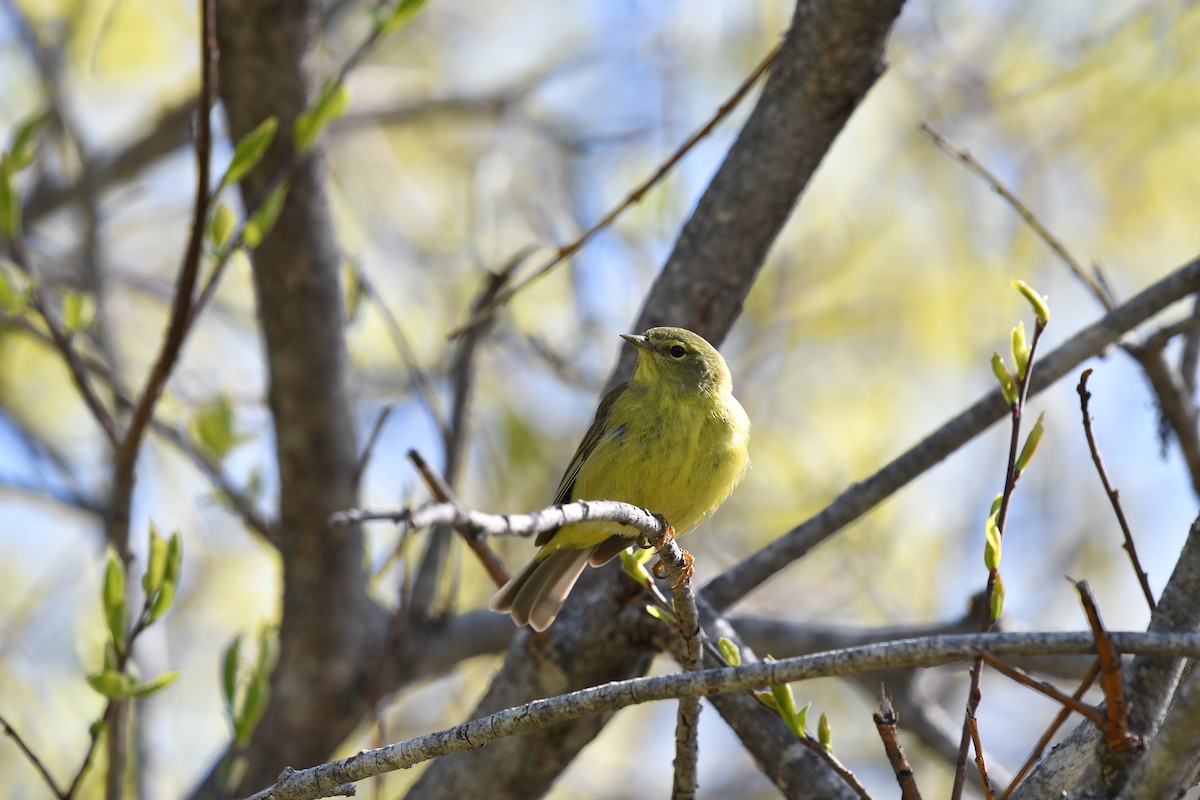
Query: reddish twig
[
  {"x": 444, "y": 494},
  {"x": 1114, "y": 496},
  {"x": 886, "y": 721},
  {"x": 980, "y": 763},
  {"x": 566, "y": 251},
  {"x": 1088, "y": 679},
  {"x": 1069, "y": 702},
  {"x": 1098, "y": 289},
  {"x": 1116, "y": 708}
]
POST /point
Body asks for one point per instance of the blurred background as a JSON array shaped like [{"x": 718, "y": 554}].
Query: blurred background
[{"x": 481, "y": 129}]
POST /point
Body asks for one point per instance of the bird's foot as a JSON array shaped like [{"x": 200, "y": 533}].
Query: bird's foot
[
  {"x": 656, "y": 543},
  {"x": 660, "y": 569}
]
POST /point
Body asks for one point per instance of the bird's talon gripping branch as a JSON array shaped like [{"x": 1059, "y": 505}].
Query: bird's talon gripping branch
[
  {"x": 660, "y": 569},
  {"x": 668, "y": 534}
]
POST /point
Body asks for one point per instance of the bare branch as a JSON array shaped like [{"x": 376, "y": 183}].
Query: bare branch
[
  {"x": 1114, "y": 497},
  {"x": 932, "y": 651},
  {"x": 886, "y": 721},
  {"x": 1100, "y": 292},
  {"x": 861, "y": 497}
]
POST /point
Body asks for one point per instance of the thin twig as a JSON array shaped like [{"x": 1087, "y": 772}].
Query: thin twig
[
  {"x": 1011, "y": 476},
  {"x": 11, "y": 732},
  {"x": 1100, "y": 293},
  {"x": 928, "y": 651},
  {"x": 445, "y": 495},
  {"x": 1065, "y": 712},
  {"x": 886, "y": 722},
  {"x": 1116, "y": 709},
  {"x": 425, "y": 391},
  {"x": 980, "y": 763},
  {"x": 566, "y": 251},
  {"x": 678, "y": 566},
  {"x": 1114, "y": 497},
  {"x": 63, "y": 343},
  {"x": 482, "y": 524},
  {"x": 1067, "y": 701},
  {"x": 372, "y": 439}
]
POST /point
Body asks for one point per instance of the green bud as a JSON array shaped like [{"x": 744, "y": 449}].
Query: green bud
[
  {"x": 25, "y": 141},
  {"x": 111, "y": 684},
  {"x": 150, "y": 687},
  {"x": 257, "y": 693},
  {"x": 10, "y": 202},
  {"x": 114, "y": 600},
  {"x": 997, "y": 599},
  {"x": 79, "y": 311},
  {"x": 174, "y": 559},
  {"x": 229, "y": 670},
  {"x": 249, "y": 152},
  {"x": 1031, "y": 443},
  {"x": 1040, "y": 309},
  {"x": 991, "y": 548},
  {"x": 825, "y": 733},
  {"x": 156, "y": 562},
  {"x": 221, "y": 225},
  {"x": 1007, "y": 387},
  {"x": 1020, "y": 350},
  {"x": 390, "y": 20},
  {"x": 730, "y": 652},
  {"x": 264, "y": 218},
  {"x": 329, "y": 106},
  {"x": 767, "y": 699},
  {"x": 164, "y": 598},
  {"x": 996, "y": 504}
]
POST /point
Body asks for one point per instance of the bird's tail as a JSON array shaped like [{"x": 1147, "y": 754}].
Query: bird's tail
[{"x": 536, "y": 593}]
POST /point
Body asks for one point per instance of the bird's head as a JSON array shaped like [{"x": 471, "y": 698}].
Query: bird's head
[{"x": 678, "y": 360}]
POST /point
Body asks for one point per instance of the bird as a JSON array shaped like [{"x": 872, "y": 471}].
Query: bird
[{"x": 672, "y": 439}]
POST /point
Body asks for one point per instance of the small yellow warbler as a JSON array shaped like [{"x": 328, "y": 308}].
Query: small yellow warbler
[{"x": 672, "y": 439}]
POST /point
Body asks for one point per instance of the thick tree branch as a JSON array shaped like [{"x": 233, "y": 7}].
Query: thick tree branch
[
  {"x": 861, "y": 497},
  {"x": 830, "y": 58}
]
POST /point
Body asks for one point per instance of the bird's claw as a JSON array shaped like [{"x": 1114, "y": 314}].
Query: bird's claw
[
  {"x": 667, "y": 535},
  {"x": 660, "y": 569}
]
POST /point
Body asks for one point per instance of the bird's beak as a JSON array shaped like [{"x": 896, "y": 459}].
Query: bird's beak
[{"x": 638, "y": 341}]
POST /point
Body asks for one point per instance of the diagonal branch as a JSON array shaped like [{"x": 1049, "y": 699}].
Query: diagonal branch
[
  {"x": 736, "y": 583},
  {"x": 538, "y": 714}
]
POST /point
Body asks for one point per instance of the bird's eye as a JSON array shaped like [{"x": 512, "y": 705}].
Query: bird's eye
[{"x": 677, "y": 351}]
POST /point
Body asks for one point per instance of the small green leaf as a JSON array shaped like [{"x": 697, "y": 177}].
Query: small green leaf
[
  {"x": 265, "y": 216},
  {"x": 996, "y": 501},
  {"x": 257, "y": 694},
  {"x": 991, "y": 548},
  {"x": 111, "y": 684},
  {"x": 785, "y": 701},
  {"x": 24, "y": 145},
  {"x": 1020, "y": 350},
  {"x": 1008, "y": 389},
  {"x": 164, "y": 598},
  {"x": 156, "y": 562},
  {"x": 96, "y": 728},
  {"x": 330, "y": 105},
  {"x": 10, "y": 202},
  {"x": 1037, "y": 301},
  {"x": 730, "y": 652},
  {"x": 997, "y": 604},
  {"x": 767, "y": 699},
  {"x": 150, "y": 687},
  {"x": 213, "y": 427},
  {"x": 1031, "y": 443},
  {"x": 14, "y": 294},
  {"x": 390, "y": 20},
  {"x": 660, "y": 613},
  {"x": 633, "y": 565},
  {"x": 229, "y": 671},
  {"x": 114, "y": 599},
  {"x": 825, "y": 733},
  {"x": 355, "y": 293},
  {"x": 79, "y": 312},
  {"x": 221, "y": 225},
  {"x": 249, "y": 151},
  {"x": 174, "y": 559}
]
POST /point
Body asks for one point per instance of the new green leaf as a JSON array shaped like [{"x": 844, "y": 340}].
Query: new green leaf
[
  {"x": 249, "y": 151},
  {"x": 312, "y": 121}
]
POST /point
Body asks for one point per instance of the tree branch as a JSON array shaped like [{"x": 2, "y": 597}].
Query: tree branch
[{"x": 539, "y": 714}]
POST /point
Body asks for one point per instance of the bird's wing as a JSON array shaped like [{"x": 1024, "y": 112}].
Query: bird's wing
[{"x": 595, "y": 433}]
